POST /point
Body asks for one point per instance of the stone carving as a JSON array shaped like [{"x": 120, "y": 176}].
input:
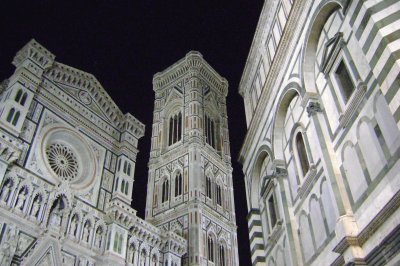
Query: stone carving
[{"x": 8, "y": 245}]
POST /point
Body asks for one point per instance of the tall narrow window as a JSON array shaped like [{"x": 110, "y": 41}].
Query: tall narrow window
[
  {"x": 18, "y": 96},
  {"x": 209, "y": 131},
  {"x": 210, "y": 249},
  {"x": 302, "y": 153},
  {"x": 23, "y": 99},
  {"x": 16, "y": 117},
  {"x": 219, "y": 195},
  {"x": 126, "y": 188},
  {"x": 272, "y": 211},
  {"x": 221, "y": 255},
  {"x": 129, "y": 169},
  {"x": 10, "y": 115},
  {"x": 125, "y": 167},
  {"x": 208, "y": 187},
  {"x": 346, "y": 85},
  {"x": 178, "y": 185},
  {"x": 123, "y": 186},
  {"x": 175, "y": 128},
  {"x": 165, "y": 191}
]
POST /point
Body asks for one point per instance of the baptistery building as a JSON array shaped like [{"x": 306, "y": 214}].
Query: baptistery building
[
  {"x": 321, "y": 156},
  {"x": 67, "y": 163}
]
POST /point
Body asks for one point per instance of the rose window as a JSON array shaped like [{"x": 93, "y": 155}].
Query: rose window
[{"x": 62, "y": 161}]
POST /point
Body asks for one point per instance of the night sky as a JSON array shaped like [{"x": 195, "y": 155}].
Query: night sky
[{"x": 124, "y": 43}]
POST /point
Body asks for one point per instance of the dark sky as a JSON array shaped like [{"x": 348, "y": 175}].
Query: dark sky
[{"x": 124, "y": 43}]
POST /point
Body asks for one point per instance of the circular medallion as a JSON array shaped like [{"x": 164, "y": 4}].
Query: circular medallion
[{"x": 84, "y": 97}]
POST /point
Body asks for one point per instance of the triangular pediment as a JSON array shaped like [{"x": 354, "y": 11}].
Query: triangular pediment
[
  {"x": 46, "y": 253},
  {"x": 86, "y": 89},
  {"x": 331, "y": 50},
  {"x": 173, "y": 95}
]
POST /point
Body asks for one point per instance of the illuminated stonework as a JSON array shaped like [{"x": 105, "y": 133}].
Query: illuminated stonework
[{"x": 62, "y": 161}]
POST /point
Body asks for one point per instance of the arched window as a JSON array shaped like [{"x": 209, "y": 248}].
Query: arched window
[
  {"x": 178, "y": 184},
  {"x": 16, "y": 117},
  {"x": 208, "y": 187},
  {"x": 210, "y": 249},
  {"x": 116, "y": 184},
  {"x": 10, "y": 115},
  {"x": 209, "y": 131},
  {"x": 119, "y": 164},
  {"x": 18, "y": 95},
  {"x": 219, "y": 195},
  {"x": 125, "y": 167},
  {"x": 123, "y": 186},
  {"x": 221, "y": 255},
  {"x": 175, "y": 128},
  {"x": 126, "y": 188},
  {"x": 302, "y": 153},
  {"x": 165, "y": 191},
  {"x": 129, "y": 169},
  {"x": 23, "y": 99}
]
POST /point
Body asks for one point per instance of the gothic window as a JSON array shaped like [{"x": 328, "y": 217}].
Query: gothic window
[
  {"x": 175, "y": 128},
  {"x": 165, "y": 191},
  {"x": 210, "y": 248},
  {"x": 119, "y": 164},
  {"x": 129, "y": 169},
  {"x": 208, "y": 187},
  {"x": 209, "y": 131},
  {"x": 221, "y": 255},
  {"x": 125, "y": 167},
  {"x": 219, "y": 195},
  {"x": 302, "y": 154},
  {"x": 344, "y": 81},
  {"x": 178, "y": 184},
  {"x": 126, "y": 188},
  {"x": 20, "y": 97},
  {"x": 13, "y": 116},
  {"x": 116, "y": 184},
  {"x": 123, "y": 186}
]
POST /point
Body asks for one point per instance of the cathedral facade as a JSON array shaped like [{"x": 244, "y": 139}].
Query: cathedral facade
[
  {"x": 321, "y": 156},
  {"x": 67, "y": 163},
  {"x": 190, "y": 189}
]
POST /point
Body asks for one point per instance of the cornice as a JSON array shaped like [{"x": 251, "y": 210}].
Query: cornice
[
  {"x": 195, "y": 65},
  {"x": 265, "y": 17},
  {"x": 287, "y": 43}
]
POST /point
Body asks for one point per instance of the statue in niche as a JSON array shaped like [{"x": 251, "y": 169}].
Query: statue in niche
[
  {"x": 36, "y": 206},
  {"x": 5, "y": 193},
  {"x": 86, "y": 229},
  {"x": 99, "y": 233},
  {"x": 8, "y": 246},
  {"x": 131, "y": 253},
  {"x": 21, "y": 199},
  {"x": 56, "y": 212},
  {"x": 73, "y": 227}
]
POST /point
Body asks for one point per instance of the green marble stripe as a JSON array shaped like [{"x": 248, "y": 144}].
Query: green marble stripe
[
  {"x": 372, "y": 10},
  {"x": 397, "y": 115},
  {"x": 381, "y": 47},
  {"x": 356, "y": 12},
  {"x": 394, "y": 88},
  {"x": 379, "y": 25}
]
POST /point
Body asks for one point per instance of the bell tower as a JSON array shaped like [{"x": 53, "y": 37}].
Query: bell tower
[{"x": 190, "y": 187}]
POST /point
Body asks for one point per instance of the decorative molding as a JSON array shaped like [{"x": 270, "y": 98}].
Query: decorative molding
[{"x": 353, "y": 104}]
